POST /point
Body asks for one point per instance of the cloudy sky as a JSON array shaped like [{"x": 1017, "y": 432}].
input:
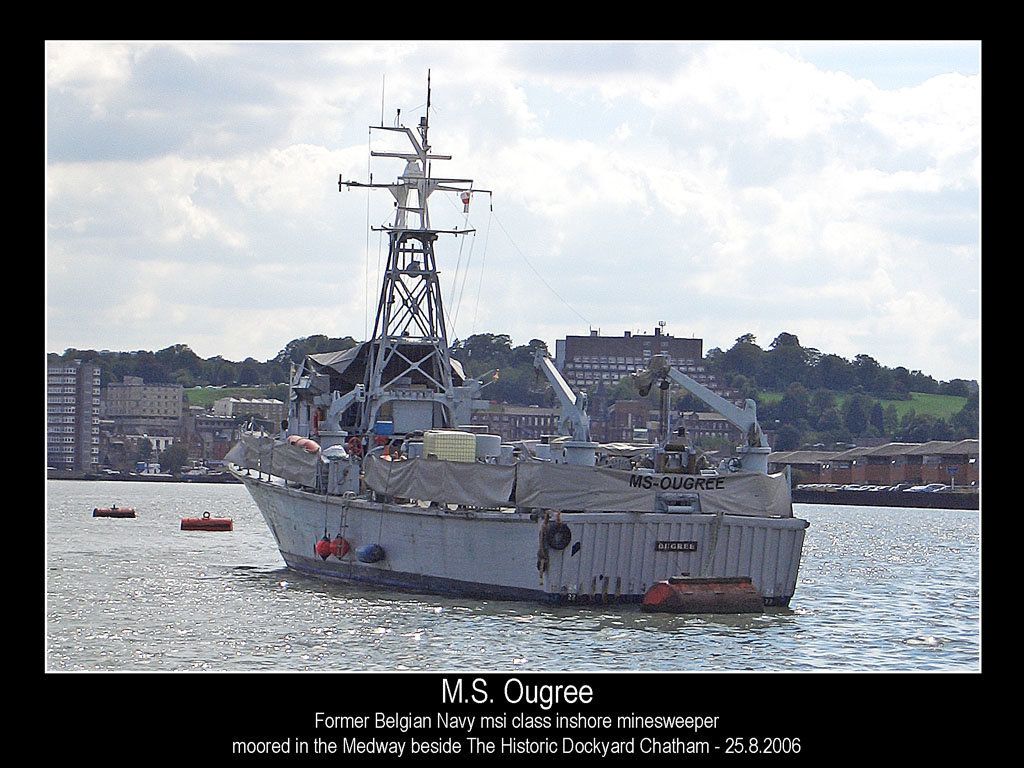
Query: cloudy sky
[{"x": 829, "y": 190}]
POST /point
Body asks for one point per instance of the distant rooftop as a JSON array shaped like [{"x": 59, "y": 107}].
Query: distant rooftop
[{"x": 932, "y": 448}]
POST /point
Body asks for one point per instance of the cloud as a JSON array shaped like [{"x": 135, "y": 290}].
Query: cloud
[{"x": 722, "y": 187}]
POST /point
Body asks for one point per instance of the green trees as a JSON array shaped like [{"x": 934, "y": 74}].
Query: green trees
[
  {"x": 173, "y": 458},
  {"x": 178, "y": 364},
  {"x": 827, "y": 398},
  {"x": 795, "y": 404},
  {"x": 507, "y": 372},
  {"x": 965, "y": 423}
]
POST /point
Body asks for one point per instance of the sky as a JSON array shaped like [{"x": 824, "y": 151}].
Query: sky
[{"x": 830, "y": 190}]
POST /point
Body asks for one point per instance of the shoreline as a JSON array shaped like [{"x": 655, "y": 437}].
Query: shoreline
[
  {"x": 216, "y": 478},
  {"x": 919, "y": 499}
]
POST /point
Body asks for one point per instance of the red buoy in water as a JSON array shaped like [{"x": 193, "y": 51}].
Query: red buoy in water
[
  {"x": 207, "y": 523},
  {"x": 114, "y": 511},
  {"x": 324, "y": 548},
  {"x": 686, "y": 594}
]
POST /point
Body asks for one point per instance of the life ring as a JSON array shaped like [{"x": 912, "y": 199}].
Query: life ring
[
  {"x": 558, "y": 536},
  {"x": 354, "y": 446}
]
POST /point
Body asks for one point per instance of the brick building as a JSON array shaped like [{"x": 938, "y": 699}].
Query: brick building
[
  {"x": 955, "y": 462},
  {"x": 518, "y": 422},
  {"x": 268, "y": 409},
  {"x": 704, "y": 426},
  {"x": 586, "y": 361},
  {"x": 209, "y": 436}
]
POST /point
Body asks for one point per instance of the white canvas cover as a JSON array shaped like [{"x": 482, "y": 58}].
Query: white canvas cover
[
  {"x": 275, "y": 457},
  {"x": 567, "y": 487},
  {"x": 355, "y": 357},
  {"x": 448, "y": 482}
]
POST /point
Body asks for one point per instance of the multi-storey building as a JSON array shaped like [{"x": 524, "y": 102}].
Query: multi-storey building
[
  {"x": 73, "y": 416},
  {"x": 135, "y": 407},
  {"x": 518, "y": 422},
  {"x": 635, "y": 421},
  {"x": 269, "y": 409},
  {"x": 626, "y": 421},
  {"x": 586, "y": 361},
  {"x": 701, "y": 427},
  {"x": 209, "y": 436}
]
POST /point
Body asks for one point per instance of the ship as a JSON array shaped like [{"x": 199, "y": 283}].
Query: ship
[{"x": 378, "y": 478}]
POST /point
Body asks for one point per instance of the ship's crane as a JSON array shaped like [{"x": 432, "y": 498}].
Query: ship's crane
[
  {"x": 754, "y": 453},
  {"x": 574, "y": 407}
]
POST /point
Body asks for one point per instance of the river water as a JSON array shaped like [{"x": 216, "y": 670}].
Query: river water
[{"x": 880, "y": 590}]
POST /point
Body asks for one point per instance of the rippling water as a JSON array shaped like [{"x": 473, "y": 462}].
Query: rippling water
[{"x": 880, "y": 589}]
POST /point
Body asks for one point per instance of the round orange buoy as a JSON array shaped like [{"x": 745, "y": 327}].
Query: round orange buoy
[
  {"x": 340, "y": 546},
  {"x": 324, "y": 547}
]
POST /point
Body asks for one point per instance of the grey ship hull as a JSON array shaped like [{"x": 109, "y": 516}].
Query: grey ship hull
[{"x": 612, "y": 556}]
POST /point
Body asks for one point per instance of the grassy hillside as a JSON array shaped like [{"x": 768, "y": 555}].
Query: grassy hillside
[
  {"x": 205, "y": 396},
  {"x": 939, "y": 406}
]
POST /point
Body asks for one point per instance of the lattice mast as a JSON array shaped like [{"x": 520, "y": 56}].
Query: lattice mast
[{"x": 410, "y": 343}]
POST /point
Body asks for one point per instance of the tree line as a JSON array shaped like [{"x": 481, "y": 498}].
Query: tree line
[
  {"x": 178, "y": 364},
  {"x": 826, "y": 399}
]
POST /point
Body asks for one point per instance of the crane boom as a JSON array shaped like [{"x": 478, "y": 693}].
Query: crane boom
[
  {"x": 573, "y": 405},
  {"x": 744, "y": 418},
  {"x": 754, "y": 453}
]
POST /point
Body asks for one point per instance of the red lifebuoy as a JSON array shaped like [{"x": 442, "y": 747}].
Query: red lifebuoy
[
  {"x": 324, "y": 548},
  {"x": 340, "y": 546}
]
